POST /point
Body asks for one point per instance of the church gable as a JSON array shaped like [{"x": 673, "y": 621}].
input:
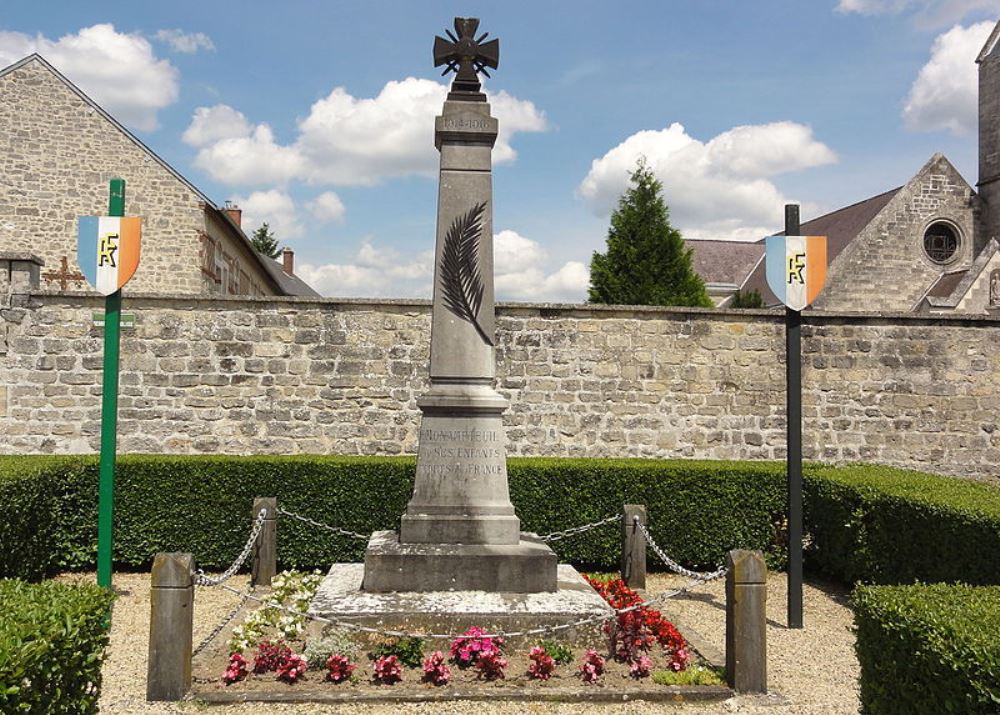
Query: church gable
[{"x": 924, "y": 231}]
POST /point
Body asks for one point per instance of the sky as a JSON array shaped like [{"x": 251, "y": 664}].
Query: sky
[{"x": 317, "y": 116}]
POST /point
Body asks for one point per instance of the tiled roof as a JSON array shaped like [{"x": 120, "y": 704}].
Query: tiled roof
[
  {"x": 840, "y": 228},
  {"x": 724, "y": 262}
]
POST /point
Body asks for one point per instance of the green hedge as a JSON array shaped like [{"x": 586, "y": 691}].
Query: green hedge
[
  {"x": 928, "y": 649},
  {"x": 884, "y": 525},
  {"x": 52, "y": 641},
  {"x": 865, "y": 523}
]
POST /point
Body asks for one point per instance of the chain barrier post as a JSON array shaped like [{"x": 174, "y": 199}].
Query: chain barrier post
[
  {"x": 746, "y": 624},
  {"x": 633, "y": 566},
  {"x": 265, "y": 549},
  {"x": 171, "y": 627}
]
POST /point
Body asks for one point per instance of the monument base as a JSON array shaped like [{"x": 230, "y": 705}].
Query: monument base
[
  {"x": 341, "y": 598},
  {"x": 526, "y": 567}
]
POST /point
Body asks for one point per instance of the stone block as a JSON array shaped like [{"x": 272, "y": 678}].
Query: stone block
[{"x": 526, "y": 567}]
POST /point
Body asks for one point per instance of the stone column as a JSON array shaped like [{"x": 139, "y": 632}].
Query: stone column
[{"x": 461, "y": 493}]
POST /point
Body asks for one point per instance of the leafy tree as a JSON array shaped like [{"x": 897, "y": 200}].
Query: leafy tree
[
  {"x": 750, "y": 299},
  {"x": 264, "y": 241},
  {"x": 646, "y": 262}
]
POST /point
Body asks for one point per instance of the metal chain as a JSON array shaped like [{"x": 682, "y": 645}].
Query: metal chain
[
  {"x": 556, "y": 535},
  {"x": 318, "y": 525},
  {"x": 451, "y": 636},
  {"x": 201, "y": 579},
  {"x": 673, "y": 565},
  {"x": 227, "y": 619}
]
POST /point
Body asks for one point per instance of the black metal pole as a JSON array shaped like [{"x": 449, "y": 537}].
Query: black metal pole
[{"x": 793, "y": 410}]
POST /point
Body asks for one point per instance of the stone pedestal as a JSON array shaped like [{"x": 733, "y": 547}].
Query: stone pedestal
[{"x": 528, "y": 565}]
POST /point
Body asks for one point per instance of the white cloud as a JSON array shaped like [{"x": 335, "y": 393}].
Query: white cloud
[
  {"x": 373, "y": 273},
  {"x": 520, "y": 274},
  {"x": 118, "y": 70},
  {"x": 327, "y": 207},
  {"x": 925, "y": 13},
  {"x": 186, "y": 42},
  {"x": 345, "y": 140},
  {"x": 715, "y": 189},
  {"x": 213, "y": 124},
  {"x": 276, "y": 208},
  {"x": 944, "y": 95}
]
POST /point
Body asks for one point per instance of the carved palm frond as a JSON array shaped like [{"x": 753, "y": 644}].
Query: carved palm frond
[{"x": 461, "y": 281}]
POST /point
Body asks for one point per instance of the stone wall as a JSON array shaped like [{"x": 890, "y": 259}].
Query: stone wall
[{"x": 290, "y": 376}]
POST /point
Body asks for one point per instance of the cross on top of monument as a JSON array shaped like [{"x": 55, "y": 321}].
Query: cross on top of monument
[{"x": 466, "y": 55}]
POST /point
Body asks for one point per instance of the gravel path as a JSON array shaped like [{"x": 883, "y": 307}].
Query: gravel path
[{"x": 813, "y": 669}]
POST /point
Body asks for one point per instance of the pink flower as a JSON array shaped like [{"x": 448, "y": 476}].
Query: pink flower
[
  {"x": 292, "y": 669},
  {"x": 388, "y": 670},
  {"x": 435, "y": 670},
  {"x": 491, "y": 665},
  {"x": 237, "y": 669},
  {"x": 339, "y": 668},
  {"x": 679, "y": 659},
  {"x": 592, "y": 668},
  {"x": 641, "y": 667},
  {"x": 542, "y": 664},
  {"x": 469, "y": 647}
]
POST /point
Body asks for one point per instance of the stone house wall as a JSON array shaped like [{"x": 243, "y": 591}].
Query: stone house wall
[
  {"x": 885, "y": 268},
  {"x": 281, "y": 375},
  {"x": 57, "y": 155}
]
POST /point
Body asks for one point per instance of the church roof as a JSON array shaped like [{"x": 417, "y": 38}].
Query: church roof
[
  {"x": 294, "y": 287},
  {"x": 840, "y": 228},
  {"x": 724, "y": 262}
]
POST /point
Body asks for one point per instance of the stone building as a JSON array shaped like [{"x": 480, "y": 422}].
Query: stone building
[
  {"x": 58, "y": 151},
  {"x": 930, "y": 245}
]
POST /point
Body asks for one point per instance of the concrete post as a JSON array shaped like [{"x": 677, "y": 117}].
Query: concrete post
[
  {"x": 633, "y": 569},
  {"x": 171, "y": 623},
  {"x": 265, "y": 549},
  {"x": 746, "y": 624}
]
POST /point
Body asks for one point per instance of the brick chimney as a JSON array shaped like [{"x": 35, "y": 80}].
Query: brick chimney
[
  {"x": 288, "y": 261},
  {"x": 234, "y": 212}
]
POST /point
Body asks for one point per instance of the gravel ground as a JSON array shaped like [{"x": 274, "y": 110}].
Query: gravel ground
[{"x": 813, "y": 670}]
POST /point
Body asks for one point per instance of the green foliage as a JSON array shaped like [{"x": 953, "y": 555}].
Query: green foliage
[
  {"x": 694, "y": 675},
  {"x": 52, "y": 641},
  {"x": 884, "y": 525},
  {"x": 410, "y": 651},
  {"x": 559, "y": 652},
  {"x": 264, "y": 241},
  {"x": 332, "y": 642},
  {"x": 750, "y": 299},
  {"x": 927, "y": 649},
  {"x": 646, "y": 262},
  {"x": 865, "y": 522}
]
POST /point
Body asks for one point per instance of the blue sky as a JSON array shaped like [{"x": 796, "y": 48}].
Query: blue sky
[{"x": 318, "y": 116}]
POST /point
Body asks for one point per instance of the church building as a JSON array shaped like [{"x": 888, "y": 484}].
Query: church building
[
  {"x": 929, "y": 246},
  {"x": 58, "y": 152}
]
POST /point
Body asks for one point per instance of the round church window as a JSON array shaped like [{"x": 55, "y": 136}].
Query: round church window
[{"x": 940, "y": 242}]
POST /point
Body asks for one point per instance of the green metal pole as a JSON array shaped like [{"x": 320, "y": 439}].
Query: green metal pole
[{"x": 109, "y": 411}]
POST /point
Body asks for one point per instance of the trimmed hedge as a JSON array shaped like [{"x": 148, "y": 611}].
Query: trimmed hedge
[
  {"x": 928, "y": 649},
  {"x": 865, "y": 523},
  {"x": 884, "y": 525},
  {"x": 52, "y": 641}
]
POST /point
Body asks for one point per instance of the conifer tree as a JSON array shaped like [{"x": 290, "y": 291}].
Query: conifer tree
[
  {"x": 646, "y": 262},
  {"x": 264, "y": 241}
]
